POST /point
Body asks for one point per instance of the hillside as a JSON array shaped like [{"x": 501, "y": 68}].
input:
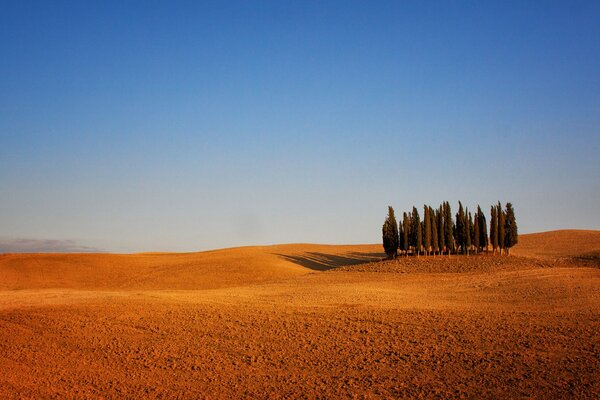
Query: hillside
[
  {"x": 231, "y": 267},
  {"x": 203, "y": 270},
  {"x": 560, "y": 244},
  {"x": 302, "y": 321}
]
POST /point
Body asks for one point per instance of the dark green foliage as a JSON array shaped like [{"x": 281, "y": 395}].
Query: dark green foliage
[
  {"x": 390, "y": 234},
  {"x": 476, "y": 233},
  {"x": 414, "y": 222},
  {"x": 469, "y": 221},
  {"x": 461, "y": 228},
  {"x": 501, "y": 226},
  {"x": 448, "y": 228},
  {"x": 412, "y": 240},
  {"x": 400, "y": 235},
  {"x": 511, "y": 235},
  {"x": 426, "y": 229},
  {"x": 438, "y": 232},
  {"x": 434, "y": 231},
  {"x": 455, "y": 245},
  {"x": 419, "y": 239},
  {"x": 406, "y": 233},
  {"x": 417, "y": 231},
  {"x": 440, "y": 226},
  {"x": 494, "y": 229},
  {"x": 483, "y": 235}
]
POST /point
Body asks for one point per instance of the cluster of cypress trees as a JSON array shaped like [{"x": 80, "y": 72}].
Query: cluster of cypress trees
[{"x": 439, "y": 233}]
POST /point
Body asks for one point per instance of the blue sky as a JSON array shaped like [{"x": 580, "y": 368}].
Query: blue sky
[{"x": 154, "y": 126}]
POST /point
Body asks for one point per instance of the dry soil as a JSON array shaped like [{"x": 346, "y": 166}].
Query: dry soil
[{"x": 303, "y": 321}]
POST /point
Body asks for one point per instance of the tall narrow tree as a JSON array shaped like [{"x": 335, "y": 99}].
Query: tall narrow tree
[
  {"x": 494, "y": 229},
  {"x": 400, "y": 235},
  {"x": 476, "y": 233},
  {"x": 390, "y": 234},
  {"x": 413, "y": 232},
  {"x": 483, "y": 235},
  {"x": 423, "y": 236},
  {"x": 501, "y": 227},
  {"x": 440, "y": 226},
  {"x": 417, "y": 231},
  {"x": 419, "y": 238},
  {"x": 406, "y": 233},
  {"x": 469, "y": 223},
  {"x": 448, "y": 228},
  {"x": 434, "y": 231},
  {"x": 426, "y": 230},
  {"x": 511, "y": 234},
  {"x": 461, "y": 228}
]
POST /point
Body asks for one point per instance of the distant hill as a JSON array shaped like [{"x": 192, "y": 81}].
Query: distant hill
[
  {"x": 203, "y": 270},
  {"x": 232, "y": 267},
  {"x": 566, "y": 243}
]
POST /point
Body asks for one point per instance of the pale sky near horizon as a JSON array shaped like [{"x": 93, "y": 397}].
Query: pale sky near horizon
[{"x": 182, "y": 126}]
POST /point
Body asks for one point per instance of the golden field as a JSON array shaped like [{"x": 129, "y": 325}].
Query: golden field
[{"x": 304, "y": 321}]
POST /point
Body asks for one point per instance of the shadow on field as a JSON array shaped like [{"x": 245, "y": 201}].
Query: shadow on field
[
  {"x": 589, "y": 259},
  {"x": 323, "y": 262}
]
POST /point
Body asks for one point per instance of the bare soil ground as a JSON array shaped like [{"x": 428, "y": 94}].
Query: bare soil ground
[
  {"x": 302, "y": 321},
  {"x": 563, "y": 244}
]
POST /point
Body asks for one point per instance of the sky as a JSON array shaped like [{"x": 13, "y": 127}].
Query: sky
[{"x": 182, "y": 126}]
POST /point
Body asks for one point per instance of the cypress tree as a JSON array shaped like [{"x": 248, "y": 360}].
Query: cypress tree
[
  {"x": 483, "y": 235},
  {"x": 494, "y": 230},
  {"x": 394, "y": 228},
  {"x": 461, "y": 228},
  {"x": 434, "y": 231},
  {"x": 476, "y": 233},
  {"x": 448, "y": 228},
  {"x": 417, "y": 231},
  {"x": 443, "y": 226},
  {"x": 390, "y": 234},
  {"x": 406, "y": 233},
  {"x": 385, "y": 235},
  {"x": 455, "y": 245},
  {"x": 440, "y": 226},
  {"x": 413, "y": 231},
  {"x": 468, "y": 241},
  {"x": 419, "y": 238},
  {"x": 511, "y": 235},
  {"x": 426, "y": 230},
  {"x": 501, "y": 227},
  {"x": 400, "y": 235}
]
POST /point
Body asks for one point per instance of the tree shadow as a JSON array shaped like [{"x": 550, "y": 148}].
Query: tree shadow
[
  {"x": 379, "y": 256},
  {"x": 323, "y": 262},
  {"x": 592, "y": 258}
]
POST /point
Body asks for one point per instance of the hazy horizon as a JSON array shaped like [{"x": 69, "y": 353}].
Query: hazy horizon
[{"x": 131, "y": 127}]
